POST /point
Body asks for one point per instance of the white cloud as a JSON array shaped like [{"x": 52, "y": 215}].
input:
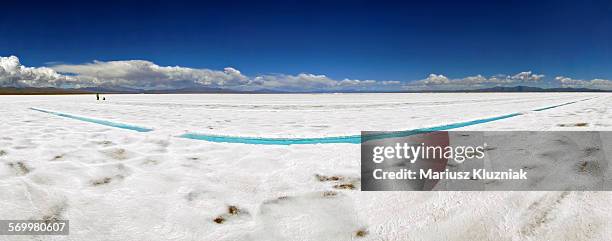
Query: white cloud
[
  {"x": 307, "y": 81},
  {"x": 594, "y": 83},
  {"x": 14, "y": 74},
  {"x": 146, "y": 74},
  {"x": 435, "y": 81},
  {"x": 313, "y": 82},
  {"x": 527, "y": 76}
]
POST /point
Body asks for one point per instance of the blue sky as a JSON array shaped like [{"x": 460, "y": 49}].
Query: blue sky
[{"x": 356, "y": 40}]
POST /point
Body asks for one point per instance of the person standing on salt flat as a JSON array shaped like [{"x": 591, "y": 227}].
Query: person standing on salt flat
[{"x": 97, "y": 96}]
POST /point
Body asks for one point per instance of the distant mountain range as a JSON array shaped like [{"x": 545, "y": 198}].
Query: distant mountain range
[
  {"x": 207, "y": 90},
  {"x": 496, "y": 89},
  {"x": 521, "y": 88},
  {"x": 39, "y": 91}
]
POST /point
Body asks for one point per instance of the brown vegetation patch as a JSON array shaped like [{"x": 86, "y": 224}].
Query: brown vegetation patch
[
  {"x": 19, "y": 167},
  {"x": 323, "y": 178},
  {"x": 233, "y": 210},
  {"x": 219, "y": 220},
  {"x": 361, "y": 233},
  {"x": 348, "y": 186},
  {"x": 592, "y": 167},
  {"x": 102, "y": 181}
]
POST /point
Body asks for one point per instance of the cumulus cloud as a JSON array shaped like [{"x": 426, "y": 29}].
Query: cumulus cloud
[
  {"x": 594, "y": 83},
  {"x": 434, "y": 79},
  {"x": 527, "y": 76},
  {"x": 308, "y": 81},
  {"x": 442, "y": 82},
  {"x": 147, "y": 75},
  {"x": 14, "y": 74},
  {"x": 313, "y": 82}
]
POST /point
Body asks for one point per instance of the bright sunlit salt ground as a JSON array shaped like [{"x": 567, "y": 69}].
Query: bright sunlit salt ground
[{"x": 119, "y": 184}]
